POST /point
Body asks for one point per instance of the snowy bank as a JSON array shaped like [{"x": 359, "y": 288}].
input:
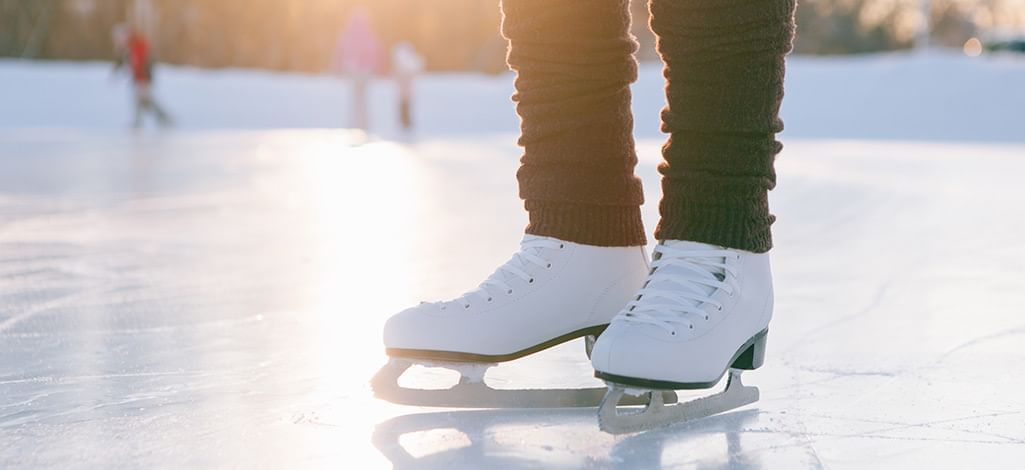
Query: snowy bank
[{"x": 935, "y": 97}]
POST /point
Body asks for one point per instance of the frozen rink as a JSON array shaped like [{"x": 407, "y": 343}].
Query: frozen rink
[{"x": 215, "y": 298}]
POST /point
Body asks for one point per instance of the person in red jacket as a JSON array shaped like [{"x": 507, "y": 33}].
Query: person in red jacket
[{"x": 134, "y": 50}]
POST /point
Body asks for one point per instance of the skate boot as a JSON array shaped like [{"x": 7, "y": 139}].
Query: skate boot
[
  {"x": 704, "y": 310},
  {"x": 550, "y": 292}
]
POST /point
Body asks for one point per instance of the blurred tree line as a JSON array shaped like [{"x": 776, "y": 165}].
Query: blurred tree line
[
  {"x": 451, "y": 34},
  {"x": 272, "y": 34}
]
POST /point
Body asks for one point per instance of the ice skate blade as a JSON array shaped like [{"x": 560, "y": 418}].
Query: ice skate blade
[
  {"x": 477, "y": 394},
  {"x": 655, "y": 414}
]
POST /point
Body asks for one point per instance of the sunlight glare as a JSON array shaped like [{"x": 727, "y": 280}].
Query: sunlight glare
[{"x": 973, "y": 47}]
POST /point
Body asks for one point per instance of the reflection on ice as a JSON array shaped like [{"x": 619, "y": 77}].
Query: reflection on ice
[{"x": 558, "y": 439}]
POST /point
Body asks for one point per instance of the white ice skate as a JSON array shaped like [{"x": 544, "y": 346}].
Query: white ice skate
[
  {"x": 550, "y": 292},
  {"x": 703, "y": 311}
]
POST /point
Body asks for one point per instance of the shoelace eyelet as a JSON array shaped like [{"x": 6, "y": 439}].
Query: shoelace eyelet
[
  {"x": 719, "y": 308},
  {"x": 673, "y": 332},
  {"x": 509, "y": 291},
  {"x": 562, "y": 245},
  {"x": 549, "y": 266},
  {"x": 490, "y": 299},
  {"x": 467, "y": 306},
  {"x": 531, "y": 281}
]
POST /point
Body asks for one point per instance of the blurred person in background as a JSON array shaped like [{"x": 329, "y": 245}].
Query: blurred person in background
[
  {"x": 406, "y": 64},
  {"x": 133, "y": 49},
  {"x": 358, "y": 56}
]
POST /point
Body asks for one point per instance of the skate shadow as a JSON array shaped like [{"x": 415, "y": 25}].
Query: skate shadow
[{"x": 551, "y": 439}]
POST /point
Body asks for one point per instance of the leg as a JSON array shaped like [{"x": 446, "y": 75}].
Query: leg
[
  {"x": 582, "y": 258},
  {"x": 407, "y": 116},
  {"x": 724, "y": 65},
  {"x": 163, "y": 118},
  {"x": 140, "y": 93},
  {"x": 360, "y": 83},
  {"x": 705, "y": 308},
  {"x": 574, "y": 64}
]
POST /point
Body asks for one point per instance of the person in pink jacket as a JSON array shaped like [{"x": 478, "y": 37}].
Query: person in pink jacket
[{"x": 358, "y": 56}]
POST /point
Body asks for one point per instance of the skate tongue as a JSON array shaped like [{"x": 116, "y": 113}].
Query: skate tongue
[
  {"x": 528, "y": 238},
  {"x": 525, "y": 245},
  {"x": 718, "y": 273},
  {"x": 689, "y": 245}
]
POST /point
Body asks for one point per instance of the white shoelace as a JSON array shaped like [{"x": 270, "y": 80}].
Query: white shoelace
[
  {"x": 682, "y": 281},
  {"x": 531, "y": 251}
]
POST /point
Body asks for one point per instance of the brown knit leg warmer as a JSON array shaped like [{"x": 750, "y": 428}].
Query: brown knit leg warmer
[
  {"x": 574, "y": 64},
  {"x": 724, "y": 64}
]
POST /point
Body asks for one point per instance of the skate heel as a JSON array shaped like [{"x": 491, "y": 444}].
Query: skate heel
[{"x": 754, "y": 356}]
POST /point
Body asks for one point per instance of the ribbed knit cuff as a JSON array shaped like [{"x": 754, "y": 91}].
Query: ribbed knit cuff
[
  {"x": 730, "y": 217},
  {"x": 587, "y": 224}
]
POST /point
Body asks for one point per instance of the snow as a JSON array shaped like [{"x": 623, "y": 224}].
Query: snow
[
  {"x": 937, "y": 96},
  {"x": 212, "y": 296}
]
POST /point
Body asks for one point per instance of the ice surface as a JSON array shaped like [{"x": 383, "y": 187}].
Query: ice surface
[{"x": 216, "y": 299}]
